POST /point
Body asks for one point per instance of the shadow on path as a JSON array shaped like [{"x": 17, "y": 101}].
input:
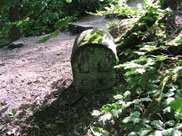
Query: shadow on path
[{"x": 68, "y": 115}]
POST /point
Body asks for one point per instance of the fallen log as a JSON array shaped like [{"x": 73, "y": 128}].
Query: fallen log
[
  {"x": 173, "y": 47},
  {"x": 133, "y": 36}
]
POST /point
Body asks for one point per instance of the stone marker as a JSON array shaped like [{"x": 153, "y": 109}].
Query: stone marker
[{"x": 93, "y": 60}]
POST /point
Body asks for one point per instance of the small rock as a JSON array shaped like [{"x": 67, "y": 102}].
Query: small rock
[{"x": 16, "y": 44}]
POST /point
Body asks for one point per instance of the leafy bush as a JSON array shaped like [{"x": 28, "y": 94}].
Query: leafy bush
[{"x": 43, "y": 14}]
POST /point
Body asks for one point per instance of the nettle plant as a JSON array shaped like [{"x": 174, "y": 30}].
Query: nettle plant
[{"x": 148, "y": 102}]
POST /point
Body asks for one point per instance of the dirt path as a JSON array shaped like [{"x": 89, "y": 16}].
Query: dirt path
[
  {"x": 28, "y": 74},
  {"x": 36, "y": 95}
]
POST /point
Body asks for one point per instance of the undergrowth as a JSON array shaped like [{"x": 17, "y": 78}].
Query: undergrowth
[{"x": 148, "y": 98}]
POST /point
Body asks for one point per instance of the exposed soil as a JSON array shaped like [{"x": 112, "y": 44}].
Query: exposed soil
[{"x": 28, "y": 75}]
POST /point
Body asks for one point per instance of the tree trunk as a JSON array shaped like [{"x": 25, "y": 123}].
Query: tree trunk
[{"x": 14, "y": 16}]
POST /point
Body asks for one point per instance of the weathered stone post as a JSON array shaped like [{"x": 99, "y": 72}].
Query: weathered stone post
[{"x": 93, "y": 59}]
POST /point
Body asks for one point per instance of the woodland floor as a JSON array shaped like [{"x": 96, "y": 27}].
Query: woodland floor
[{"x": 36, "y": 95}]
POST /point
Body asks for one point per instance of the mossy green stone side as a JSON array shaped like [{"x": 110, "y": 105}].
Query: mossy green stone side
[{"x": 93, "y": 60}]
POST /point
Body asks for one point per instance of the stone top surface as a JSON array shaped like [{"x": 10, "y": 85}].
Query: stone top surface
[{"x": 94, "y": 37}]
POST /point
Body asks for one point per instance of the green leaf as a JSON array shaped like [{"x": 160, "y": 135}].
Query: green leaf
[
  {"x": 63, "y": 22},
  {"x": 128, "y": 73},
  {"x": 13, "y": 112},
  {"x": 132, "y": 134},
  {"x": 105, "y": 133},
  {"x": 138, "y": 90},
  {"x": 96, "y": 113},
  {"x": 55, "y": 33},
  {"x": 116, "y": 113},
  {"x": 106, "y": 108},
  {"x": 68, "y": 1},
  {"x": 126, "y": 120},
  {"x": 143, "y": 132},
  {"x": 97, "y": 129},
  {"x": 158, "y": 133},
  {"x": 135, "y": 114},
  {"x": 19, "y": 23},
  {"x": 135, "y": 120},
  {"x": 140, "y": 70},
  {"x": 157, "y": 124},
  {"x": 46, "y": 38},
  {"x": 106, "y": 117},
  {"x": 143, "y": 80},
  {"x": 177, "y": 105},
  {"x": 160, "y": 58},
  {"x": 118, "y": 97}
]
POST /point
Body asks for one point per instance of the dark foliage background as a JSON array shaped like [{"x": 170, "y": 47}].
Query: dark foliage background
[{"x": 39, "y": 16}]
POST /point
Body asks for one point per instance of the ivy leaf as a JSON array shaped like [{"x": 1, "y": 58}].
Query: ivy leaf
[
  {"x": 143, "y": 132},
  {"x": 171, "y": 132},
  {"x": 160, "y": 58},
  {"x": 158, "y": 124},
  {"x": 96, "y": 113},
  {"x": 106, "y": 108},
  {"x": 135, "y": 114},
  {"x": 140, "y": 70},
  {"x": 158, "y": 133},
  {"x": 177, "y": 107},
  {"x": 134, "y": 117},
  {"x": 97, "y": 131},
  {"x": 146, "y": 99},
  {"x": 132, "y": 134},
  {"x": 135, "y": 120},
  {"x": 168, "y": 100},
  {"x": 126, "y": 120},
  {"x": 106, "y": 117},
  {"x": 116, "y": 113},
  {"x": 118, "y": 97}
]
